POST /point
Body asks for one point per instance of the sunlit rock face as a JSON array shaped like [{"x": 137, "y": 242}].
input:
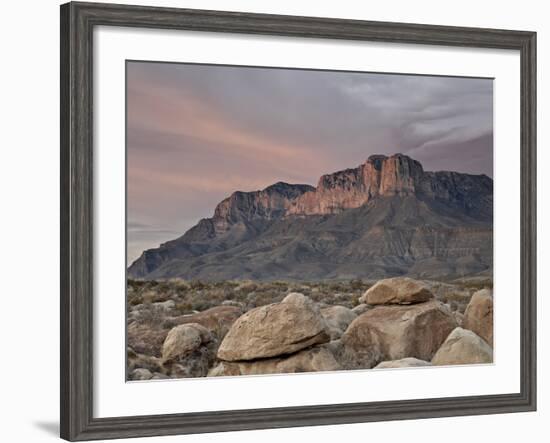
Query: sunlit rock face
[{"x": 381, "y": 176}]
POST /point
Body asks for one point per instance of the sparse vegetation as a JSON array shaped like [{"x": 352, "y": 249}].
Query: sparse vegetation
[{"x": 196, "y": 295}]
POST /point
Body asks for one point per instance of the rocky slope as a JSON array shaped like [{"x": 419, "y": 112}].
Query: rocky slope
[{"x": 386, "y": 217}]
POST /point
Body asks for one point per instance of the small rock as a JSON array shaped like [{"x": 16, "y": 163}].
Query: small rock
[
  {"x": 397, "y": 290},
  {"x": 141, "y": 374},
  {"x": 408, "y": 362},
  {"x": 459, "y": 317},
  {"x": 463, "y": 347},
  {"x": 159, "y": 376},
  {"x": 183, "y": 340}
]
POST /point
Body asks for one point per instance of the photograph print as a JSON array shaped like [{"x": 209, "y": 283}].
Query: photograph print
[{"x": 284, "y": 220}]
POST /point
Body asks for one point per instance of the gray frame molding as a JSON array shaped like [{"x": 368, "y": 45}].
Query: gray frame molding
[{"x": 77, "y": 24}]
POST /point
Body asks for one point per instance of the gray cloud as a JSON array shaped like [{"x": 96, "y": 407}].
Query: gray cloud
[{"x": 196, "y": 133}]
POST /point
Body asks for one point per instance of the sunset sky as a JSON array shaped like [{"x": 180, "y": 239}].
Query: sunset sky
[{"x": 197, "y": 133}]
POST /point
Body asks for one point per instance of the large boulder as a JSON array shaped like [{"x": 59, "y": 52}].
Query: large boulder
[
  {"x": 276, "y": 329},
  {"x": 183, "y": 340},
  {"x": 463, "y": 347},
  {"x": 314, "y": 359},
  {"x": 395, "y": 332},
  {"x": 337, "y": 319},
  {"x": 408, "y": 362},
  {"x": 397, "y": 290},
  {"x": 478, "y": 316}
]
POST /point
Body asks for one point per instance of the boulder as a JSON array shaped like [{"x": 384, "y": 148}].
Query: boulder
[
  {"x": 393, "y": 333},
  {"x": 314, "y": 359},
  {"x": 408, "y": 362},
  {"x": 276, "y": 329},
  {"x": 478, "y": 316},
  {"x": 397, "y": 290},
  {"x": 337, "y": 319},
  {"x": 141, "y": 374},
  {"x": 463, "y": 347},
  {"x": 183, "y": 340}
]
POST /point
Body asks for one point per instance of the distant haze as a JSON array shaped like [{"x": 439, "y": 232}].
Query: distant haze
[{"x": 197, "y": 133}]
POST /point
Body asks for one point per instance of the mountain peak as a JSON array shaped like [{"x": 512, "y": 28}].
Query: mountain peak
[
  {"x": 379, "y": 176},
  {"x": 377, "y": 160}
]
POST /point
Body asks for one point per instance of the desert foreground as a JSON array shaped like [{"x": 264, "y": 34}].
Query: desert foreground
[{"x": 178, "y": 328}]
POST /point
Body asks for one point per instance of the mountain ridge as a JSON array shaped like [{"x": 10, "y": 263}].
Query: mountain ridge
[{"x": 388, "y": 205}]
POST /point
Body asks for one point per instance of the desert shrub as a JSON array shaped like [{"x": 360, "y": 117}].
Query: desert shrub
[
  {"x": 184, "y": 307},
  {"x": 201, "y": 305},
  {"x": 354, "y": 301},
  {"x": 152, "y": 317},
  {"x": 356, "y": 285},
  {"x": 475, "y": 284},
  {"x": 151, "y": 296},
  {"x": 179, "y": 284},
  {"x": 134, "y": 299},
  {"x": 247, "y": 286},
  {"x": 197, "y": 284}
]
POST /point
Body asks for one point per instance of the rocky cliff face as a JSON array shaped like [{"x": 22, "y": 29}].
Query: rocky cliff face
[
  {"x": 268, "y": 204},
  {"x": 386, "y": 217},
  {"x": 381, "y": 176}
]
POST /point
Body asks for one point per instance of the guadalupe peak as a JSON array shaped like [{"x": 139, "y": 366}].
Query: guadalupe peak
[{"x": 380, "y": 175}]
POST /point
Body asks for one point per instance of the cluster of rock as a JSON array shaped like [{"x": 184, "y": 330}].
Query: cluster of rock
[{"x": 399, "y": 323}]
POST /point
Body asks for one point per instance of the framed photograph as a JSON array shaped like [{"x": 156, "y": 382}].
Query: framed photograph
[{"x": 273, "y": 221}]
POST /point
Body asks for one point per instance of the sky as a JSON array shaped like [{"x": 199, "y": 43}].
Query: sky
[{"x": 197, "y": 133}]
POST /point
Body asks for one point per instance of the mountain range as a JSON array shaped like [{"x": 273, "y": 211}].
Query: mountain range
[{"x": 386, "y": 217}]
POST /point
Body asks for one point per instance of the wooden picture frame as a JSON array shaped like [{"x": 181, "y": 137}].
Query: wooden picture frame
[{"x": 77, "y": 23}]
